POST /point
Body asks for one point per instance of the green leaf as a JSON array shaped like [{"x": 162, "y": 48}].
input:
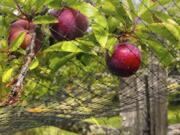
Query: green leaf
[
  {"x": 172, "y": 12},
  {"x": 118, "y": 10},
  {"x": 165, "y": 30},
  {"x": 4, "y": 23},
  {"x": 7, "y": 3},
  {"x": 3, "y": 43},
  {"x": 129, "y": 6},
  {"x": 85, "y": 44},
  {"x": 85, "y": 59},
  {"x": 1, "y": 71},
  {"x": 29, "y": 5},
  {"x": 17, "y": 42},
  {"x": 178, "y": 46},
  {"x": 70, "y": 2},
  {"x": 101, "y": 34},
  {"x": 99, "y": 22},
  {"x": 3, "y": 58},
  {"x": 55, "y": 4},
  {"x": 66, "y": 46},
  {"x": 122, "y": 12},
  {"x": 145, "y": 54},
  {"x": 148, "y": 17},
  {"x": 113, "y": 24},
  {"x": 147, "y": 9},
  {"x": 46, "y": 19},
  {"x": 173, "y": 29},
  {"x": 56, "y": 62},
  {"x": 35, "y": 5},
  {"x": 112, "y": 41},
  {"x": 161, "y": 16},
  {"x": 161, "y": 52},
  {"x": 7, "y": 75},
  {"x": 100, "y": 29},
  {"x": 145, "y": 6},
  {"x": 41, "y": 3},
  {"x": 34, "y": 64},
  {"x": 108, "y": 7},
  {"x": 163, "y": 2},
  {"x": 85, "y": 8}
]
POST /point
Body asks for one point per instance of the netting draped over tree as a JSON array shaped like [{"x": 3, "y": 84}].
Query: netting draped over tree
[{"x": 67, "y": 82}]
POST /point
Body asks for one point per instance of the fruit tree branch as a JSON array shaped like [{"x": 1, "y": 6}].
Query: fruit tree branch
[{"x": 17, "y": 86}]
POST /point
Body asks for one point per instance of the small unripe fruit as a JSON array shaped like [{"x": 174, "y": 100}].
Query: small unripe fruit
[
  {"x": 125, "y": 60},
  {"x": 24, "y": 26},
  {"x": 71, "y": 24}
]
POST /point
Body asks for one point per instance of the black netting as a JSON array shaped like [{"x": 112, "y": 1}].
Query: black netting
[{"x": 77, "y": 91}]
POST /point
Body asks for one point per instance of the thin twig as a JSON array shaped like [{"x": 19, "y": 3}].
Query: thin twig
[{"x": 20, "y": 10}]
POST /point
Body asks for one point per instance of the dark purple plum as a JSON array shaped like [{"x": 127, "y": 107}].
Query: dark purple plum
[
  {"x": 71, "y": 24},
  {"x": 24, "y": 26},
  {"x": 125, "y": 60}
]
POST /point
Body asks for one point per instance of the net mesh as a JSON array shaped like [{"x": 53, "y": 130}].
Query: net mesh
[{"x": 80, "y": 91}]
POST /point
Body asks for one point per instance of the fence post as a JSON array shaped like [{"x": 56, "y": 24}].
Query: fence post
[
  {"x": 146, "y": 113},
  {"x": 131, "y": 102},
  {"x": 157, "y": 80}
]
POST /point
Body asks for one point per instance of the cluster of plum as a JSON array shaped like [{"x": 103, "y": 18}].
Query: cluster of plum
[{"x": 124, "y": 61}]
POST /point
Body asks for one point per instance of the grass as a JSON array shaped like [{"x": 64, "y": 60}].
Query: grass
[
  {"x": 111, "y": 121},
  {"x": 174, "y": 114}
]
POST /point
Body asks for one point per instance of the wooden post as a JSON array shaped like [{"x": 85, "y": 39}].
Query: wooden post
[
  {"x": 147, "y": 113},
  {"x": 132, "y": 114},
  {"x": 158, "y": 103}
]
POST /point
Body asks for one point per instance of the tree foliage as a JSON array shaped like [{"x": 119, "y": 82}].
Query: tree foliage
[{"x": 147, "y": 25}]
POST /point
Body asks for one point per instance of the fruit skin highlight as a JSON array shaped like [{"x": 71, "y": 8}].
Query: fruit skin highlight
[
  {"x": 71, "y": 24},
  {"x": 125, "y": 60},
  {"x": 27, "y": 27}
]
